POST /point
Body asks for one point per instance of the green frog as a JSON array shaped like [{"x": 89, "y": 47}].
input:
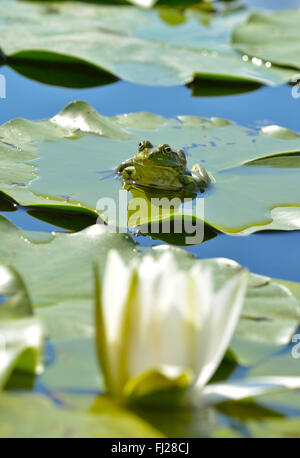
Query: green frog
[{"x": 163, "y": 168}]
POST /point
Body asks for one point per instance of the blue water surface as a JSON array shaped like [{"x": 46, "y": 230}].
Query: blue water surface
[{"x": 274, "y": 254}]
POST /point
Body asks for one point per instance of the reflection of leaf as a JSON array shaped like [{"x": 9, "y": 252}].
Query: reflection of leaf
[
  {"x": 7, "y": 204},
  {"x": 262, "y": 36},
  {"x": 66, "y": 74},
  {"x": 209, "y": 88},
  {"x": 181, "y": 422},
  {"x": 72, "y": 218},
  {"x": 32, "y": 415},
  {"x": 126, "y": 42},
  {"x": 242, "y": 199},
  {"x": 244, "y": 411}
]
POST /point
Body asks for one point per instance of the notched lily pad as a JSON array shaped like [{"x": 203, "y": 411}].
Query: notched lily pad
[{"x": 63, "y": 164}]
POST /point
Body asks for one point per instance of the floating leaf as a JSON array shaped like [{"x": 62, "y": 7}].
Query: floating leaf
[
  {"x": 32, "y": 415},
  {"x": 271, "y": 36},
  {"x": 21, "y": 347},
  {"x": 21, "y": 335},
  {"x": 53, "y": 163},
  {"x": 14, "y": 298},
  {"x": 124, "y": 42},
  {"x": 63, "y": 296},
  {"x": 271, "y": 428},
  {"x": 288, "y": 428},
  {"x": 72, "y": 366}
]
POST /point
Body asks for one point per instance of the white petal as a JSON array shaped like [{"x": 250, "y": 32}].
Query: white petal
[
  {"x": 115, "y": 290},
  {"x": 225, "y": 310},
  {"x": 160, "y": 330},
  {"x": 242, "y": 389}
]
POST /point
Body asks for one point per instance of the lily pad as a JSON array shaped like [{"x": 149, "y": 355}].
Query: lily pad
[
  {"x": 32, "y": 415},
  {"x": 14, "y": 298},
  {"x": 270, "y": 428},
  {"x": 271, "y": 36},
  {"x": 288, "y": 428},
  {"x": 21, "y": 347},
  {"x": 73, "y": 366},
  {"x": 21, "y": 335},
  {"x": 63, "y": 298},
  {"x": 59, "y": 277},
  {"x": 133, "y": 44},
  {"x": 60, "y": 162}
]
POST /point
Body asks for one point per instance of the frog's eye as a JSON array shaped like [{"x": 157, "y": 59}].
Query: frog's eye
[
  {"x": 144, "y": 144},
  {"x": 167, "y": 149}
]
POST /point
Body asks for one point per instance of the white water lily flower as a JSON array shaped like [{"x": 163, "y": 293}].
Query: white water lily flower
[{"x": 162, "y": 329}]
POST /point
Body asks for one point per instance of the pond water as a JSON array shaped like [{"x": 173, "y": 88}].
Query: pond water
[
  {"x": 269, "y": 253},
  {"x": 275, "y": 254}
]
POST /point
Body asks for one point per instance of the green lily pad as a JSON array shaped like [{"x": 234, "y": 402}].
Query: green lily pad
[
  {"x": 287, "y": 428},
  {"x": 21, "y": 347},
  {"x": 269, "y": 428},
  {"x": 69, "y": 74},
  {"x": 73, "y": 366},
  {"x": 269, "y": 307},
  {"x": 59, "y": 277},
  {"x": 32, "y": 415},
  {"x": 286, "y": 366},
  {"x": 272, "y": 36},
  {"x": 21, "y": 335},
  {"x": 283, "y": 364},
  {"x": 60, "y": 163},
  {"x": 133, "y": 44},
  {"x": 14, "y": 298}
]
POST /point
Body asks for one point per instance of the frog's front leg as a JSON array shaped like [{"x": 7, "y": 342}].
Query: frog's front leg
[
  {"x": 124, "y": 164},
  {"x": 188, "y": 183},
  {"x": 200, "y": 176}
]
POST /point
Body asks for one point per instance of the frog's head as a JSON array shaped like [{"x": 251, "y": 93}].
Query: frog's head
[{"x": 162, "y": 155}]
